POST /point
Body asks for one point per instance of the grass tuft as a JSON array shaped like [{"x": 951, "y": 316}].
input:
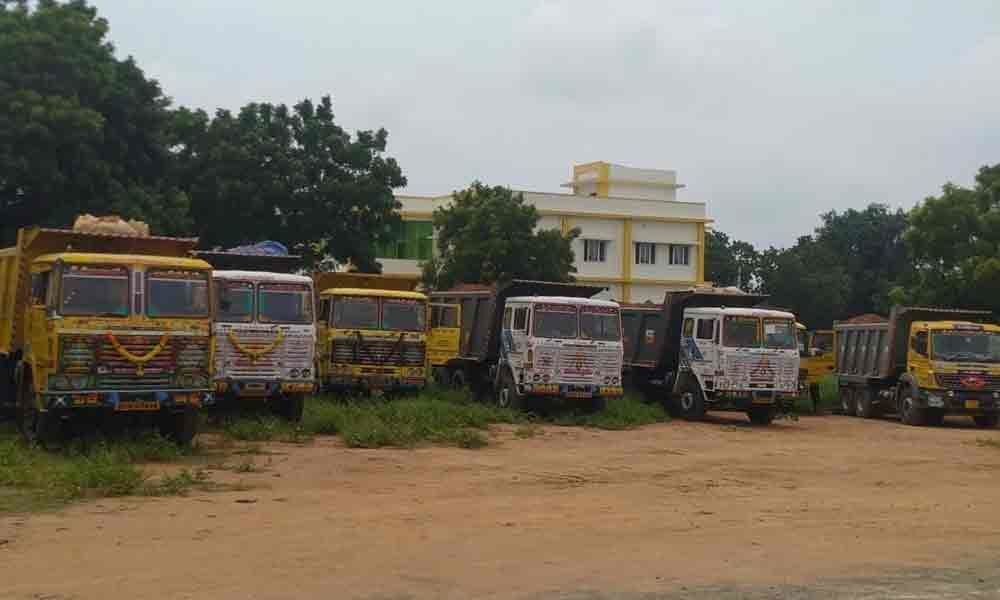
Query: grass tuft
[{"x": 627, "y": 412}]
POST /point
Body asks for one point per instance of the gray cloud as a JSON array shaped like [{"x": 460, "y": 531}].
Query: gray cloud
[{"x": 772, "y": 112}]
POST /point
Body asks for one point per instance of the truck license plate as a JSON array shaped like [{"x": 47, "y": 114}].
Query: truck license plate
[
  {"x": 138, "y": 405},
  {"x": 762, "y": 400},
  {"x": 973, "y": 404},
  {"x": 579, "y": 395}
]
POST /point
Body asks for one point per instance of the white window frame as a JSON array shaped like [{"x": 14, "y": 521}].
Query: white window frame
[
  {"x": 686, "y": 253},
  {"x": 595, "y": 251},
  {"x": 645, "y": 253}
]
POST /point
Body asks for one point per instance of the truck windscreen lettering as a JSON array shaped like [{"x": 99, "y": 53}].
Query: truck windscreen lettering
[
  {"x": 355, "y": 313},
  {"x": 600, "y": 323},
  {"x": 285, "y": 303},
  {"x": 741, "y": 332},
  {"x": 402, "y": 315},
  {"x": 555, "y": 321},
  {"x": 95, "y": 291},
  {"x": 963, "y": 346},
  {"x": 177, "y": 293},
  {"x": 779, "y": 334},
  {"x": 234, "y": 301}
]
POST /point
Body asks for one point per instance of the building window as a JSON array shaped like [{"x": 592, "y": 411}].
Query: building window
[
  {"x": 595, "y": 250},
  {"x": 411, "y": 240},
  {"x": 645, "y": 253},
  {"x": 680, "y": 254}
]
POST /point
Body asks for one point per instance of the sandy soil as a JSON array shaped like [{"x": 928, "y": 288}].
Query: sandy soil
[{"x": 819, "y": 508}]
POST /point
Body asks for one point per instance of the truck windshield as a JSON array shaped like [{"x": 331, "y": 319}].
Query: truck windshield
[
  {"x": 600, "y": 323},
  {"x": 555, "y": 321},
  {"x": 234, "y": 301},
  {"x": 741, "y": 332},
  {"x": 966, "y": 346},
  {"x": 822, "y": 342},
  {"x": 177, "y": 293},
  {"x": 779, "y": 334},
  {"x": 285, "y": 303},
  {"x": 355, "y": 312},
  {"x": 400, "y": 314},
  {"x": 95, "y": 291}
]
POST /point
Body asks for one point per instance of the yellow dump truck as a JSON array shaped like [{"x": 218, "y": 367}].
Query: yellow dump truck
[
  {"x": 371, "y": 332},
  {"x": 922, "y": 364},
  {"x": 94, "y": 325},
  {"x": 816, "y": 360}
]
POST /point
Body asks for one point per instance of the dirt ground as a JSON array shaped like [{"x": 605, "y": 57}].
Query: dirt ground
[{"x": 823, "y": 507}]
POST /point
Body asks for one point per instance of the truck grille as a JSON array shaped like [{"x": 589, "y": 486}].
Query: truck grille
[
  {"x": 294, "y": 352},
  {"x": 180, "y": 355},
  {"x": 577, "y": 364},
  {"x": 379, "y": 352},
  {"x": 969, "y": 381}
]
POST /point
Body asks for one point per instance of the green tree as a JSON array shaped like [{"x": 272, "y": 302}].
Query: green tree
[
  {"x": 869, "y": 246},
  {"x": 80, "y": 130},
  {"x": 287, "y": 174},
  {"x": 730, "y": 262},
  {"x": 488, "y": 235},
  {"x": 808, "y": 279},
  {"x": 954, "y": 240}
]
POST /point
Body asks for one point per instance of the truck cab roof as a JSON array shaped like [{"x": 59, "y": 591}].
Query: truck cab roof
[
  {"x": 564, "y": 300},
  {"x": 955, "y": 326},
  {"x": 740, "y": 312},
  {"x": 90, "y": 258},
  {"x": 262, "y": 276},
  {"x": 373, "y": 293}
]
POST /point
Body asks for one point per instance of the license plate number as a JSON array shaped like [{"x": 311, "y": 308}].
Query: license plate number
[
  {"x": 138, "y": 405},
  {"x": 579, "y": 395},
  {"x": 972, "y": 404}
]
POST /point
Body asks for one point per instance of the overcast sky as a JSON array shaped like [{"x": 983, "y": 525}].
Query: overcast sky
[{"x": 770, "y": 112}]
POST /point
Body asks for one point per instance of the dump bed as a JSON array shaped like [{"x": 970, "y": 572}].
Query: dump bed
[
  {"x": 652, "y": 339},
  {"x": 877, "y": 350},
  {"x": 482, "y": 311},
  {"x": 32, "y": 242}
]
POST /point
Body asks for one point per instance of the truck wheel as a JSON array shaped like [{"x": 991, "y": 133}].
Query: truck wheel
[
  {"x": 865, "y": 405},
  {"x": 909, "y": 412},
  {"x": 507, "y": 395},
  {"x": 986, "y": 421},
  {"x": 291, "y": 407},
  {"x": 457, "y": 379},
  {"x": 35, "y": 426},
  {"x": 761, "y": 415},
  {"x": 691, "y": 403},
  {"x": 181, "y": 427},
  {"x": 847, "y": 401}
]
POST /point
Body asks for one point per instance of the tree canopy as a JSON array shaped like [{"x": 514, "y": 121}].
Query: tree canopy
[
  {"x": 80, "y": 130},
  {"x": 488, "y": 235},
  {"x": 288, "y": 174}
]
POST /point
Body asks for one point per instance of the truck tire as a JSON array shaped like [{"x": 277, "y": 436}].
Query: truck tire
[
  {"x": 909, "y": 412},
  {"x": 290, "y": 407},
  {"x": 691, "y": 402},
  {"x": 865, "y": 403},
  {"x": 36, "y": 427},
  {"x": 181, "y": 426},
  {"x": 847, "y": 405},
  {"x": 457, "y": 379},
  {"x": 761, "y": 415},
  {"x": 986, "y": 421},
  {"x": 507, "y": 394}
]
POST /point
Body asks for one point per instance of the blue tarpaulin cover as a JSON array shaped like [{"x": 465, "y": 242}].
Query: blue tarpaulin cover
[{"x": 265, "y": 248}]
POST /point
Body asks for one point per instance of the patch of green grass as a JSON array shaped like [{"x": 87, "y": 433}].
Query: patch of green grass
[
  {"x": 627, "y": 412},
  {"x": 256, "y": 428}
]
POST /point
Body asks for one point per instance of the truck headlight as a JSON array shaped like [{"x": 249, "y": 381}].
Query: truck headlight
[
  {"x": 294, "y": 373},
  {"x": 305, "y": 373}
]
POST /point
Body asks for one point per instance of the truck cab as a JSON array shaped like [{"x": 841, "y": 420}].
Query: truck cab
[
  {"x": 265, "y": 338},
  {"x": 746, "y": 358},
  {"x": 559, "y": 346},
  {"x": 955, "y": 365},
  {"x": 816, "y": 360},
  {"x": 87, "y": 335},
  {"x": 372, "y": 340}
]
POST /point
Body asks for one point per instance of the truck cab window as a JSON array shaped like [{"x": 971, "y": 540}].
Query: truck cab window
[
  {"x": 520, "y": 319},
  {"x": 39, "y": 288},
  {"x": 920, "y": 343},
  {"x": 706, "y": 329},
  {"x": 507, "y": 317},
  {"x": 688, "y": 327}
]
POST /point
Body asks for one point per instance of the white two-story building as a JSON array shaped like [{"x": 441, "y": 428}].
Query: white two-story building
[{"x": 636, "y": 238}]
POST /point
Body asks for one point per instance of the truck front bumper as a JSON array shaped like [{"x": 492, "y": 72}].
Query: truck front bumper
[
  {"x": 956, "y": 402},
  {"x": 263, "y": 388},
  {"x": 374, "y": 382},
  {"x": 127, "y": 401},
  {"x": 571, "y": 391}
]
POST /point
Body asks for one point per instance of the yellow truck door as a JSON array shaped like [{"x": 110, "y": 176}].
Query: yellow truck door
[{"x": 442, "y": 339}]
